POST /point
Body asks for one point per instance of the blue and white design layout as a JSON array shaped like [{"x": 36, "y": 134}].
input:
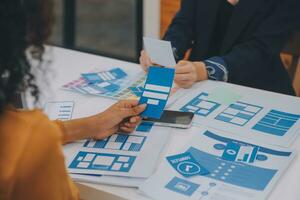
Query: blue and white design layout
[
  {"x": 276, "y": 123},
  {"x": 60, "y": 110},
  {"x": 233, "y": 174},
  {"x": 200, "y": 105},
  {"x": 134, "y": 155},
  {"x": 104, "y": 76},
  {"x": 156, "y": 91},
  {"x": 99, "y": 88},
  {"x": 107, "y": 162},
  {"x": 118, "y": 142},
  {"x": 239, "y": 113},
  {"x": 272, "y": 118}
]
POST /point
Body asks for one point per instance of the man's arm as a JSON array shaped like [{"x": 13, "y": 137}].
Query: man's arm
[
  {"x": 181, "y": 31},
  {"x": 244, "y": 61}
]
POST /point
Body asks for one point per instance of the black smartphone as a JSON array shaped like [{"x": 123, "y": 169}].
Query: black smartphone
[{"x": 174, "y": 119}]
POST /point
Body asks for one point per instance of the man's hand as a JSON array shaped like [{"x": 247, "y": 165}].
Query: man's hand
[
  {"x": 145, "y": 60},
  {"x": 188, "y": 73}
]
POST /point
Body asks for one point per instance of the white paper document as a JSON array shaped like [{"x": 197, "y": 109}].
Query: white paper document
[
  {"x": 60, "y": 110},
  {"x": 216, "y": 166},
  {"x": 160, "y": 52},
  {"x": 127, "y": 155},
  {"x": 109, "y": 180},
  {"x": 272, "y": 118}
]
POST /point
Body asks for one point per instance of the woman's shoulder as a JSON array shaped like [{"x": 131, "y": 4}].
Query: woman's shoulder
[{"x": 30, "y": 148}]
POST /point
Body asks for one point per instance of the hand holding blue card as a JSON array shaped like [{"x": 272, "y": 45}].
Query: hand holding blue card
[{"x": 156, "y": 91}]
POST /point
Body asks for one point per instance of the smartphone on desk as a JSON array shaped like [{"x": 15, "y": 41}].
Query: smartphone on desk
[{"x": 174, "y": 119}]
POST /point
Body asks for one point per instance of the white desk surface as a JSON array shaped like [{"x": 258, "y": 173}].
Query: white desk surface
[{"x": 67, "y": 65}]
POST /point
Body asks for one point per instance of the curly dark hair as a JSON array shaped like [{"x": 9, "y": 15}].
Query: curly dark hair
[{"x": 23, "y": 24}]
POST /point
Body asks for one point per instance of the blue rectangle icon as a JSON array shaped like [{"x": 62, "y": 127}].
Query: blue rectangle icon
[
  {"x": 276, "y": 123},
  {"x": 182, "y": 186},
  {"x": 156, "y": 91},
  {"x": 231, "y": 151},
  {"x": 200, "y": 106},
  {"x": 239, "y": 113},
  {"x": 102, "y": 161},
  {"x": 118, "y": 142},
  {"x": 145, "y": 127}
]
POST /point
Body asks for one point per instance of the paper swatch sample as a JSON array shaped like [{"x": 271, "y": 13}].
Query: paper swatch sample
[
  {"x": 160, "y": 52},
  {"x": 156, "y": 91}
]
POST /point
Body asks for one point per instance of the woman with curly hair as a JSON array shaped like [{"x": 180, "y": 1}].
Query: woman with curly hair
[{"x": 31, "y": 158}]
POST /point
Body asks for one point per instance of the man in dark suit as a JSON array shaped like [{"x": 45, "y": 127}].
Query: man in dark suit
[{"x": 234, "y": 41}]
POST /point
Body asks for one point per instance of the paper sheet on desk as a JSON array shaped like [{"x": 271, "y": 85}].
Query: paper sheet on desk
[
  {"x": 268, "y": 117},
  {"x": 59, "y": 110},
  {"x": 248, "y": 172},
  {"x": 160, "y": 52},
  {"x": 133, "y": 155},
  {"x": 109, "y": 180}
]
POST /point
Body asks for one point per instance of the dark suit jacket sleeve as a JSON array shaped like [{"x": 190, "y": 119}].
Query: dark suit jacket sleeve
[
  {"x": 246, "y": 60},
  {"x": 181, "y": 31}
]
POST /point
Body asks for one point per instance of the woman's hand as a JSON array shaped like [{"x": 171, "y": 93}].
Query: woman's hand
[
  {"x": 145, "y": 60},
  {"x": 122, "y": 116},
  {"x": 187, "y": 73}
]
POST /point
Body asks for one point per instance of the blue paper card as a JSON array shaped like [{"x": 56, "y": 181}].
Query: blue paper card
[
  {"x": 102, "y": 161},
  {"x": 186, "y": 165},
  {"x": 156, "y": 91},
  {"x": 118, "y": 73},
  {"x": 92, "y": 77},
  {"x": 110, "y": 75}
]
